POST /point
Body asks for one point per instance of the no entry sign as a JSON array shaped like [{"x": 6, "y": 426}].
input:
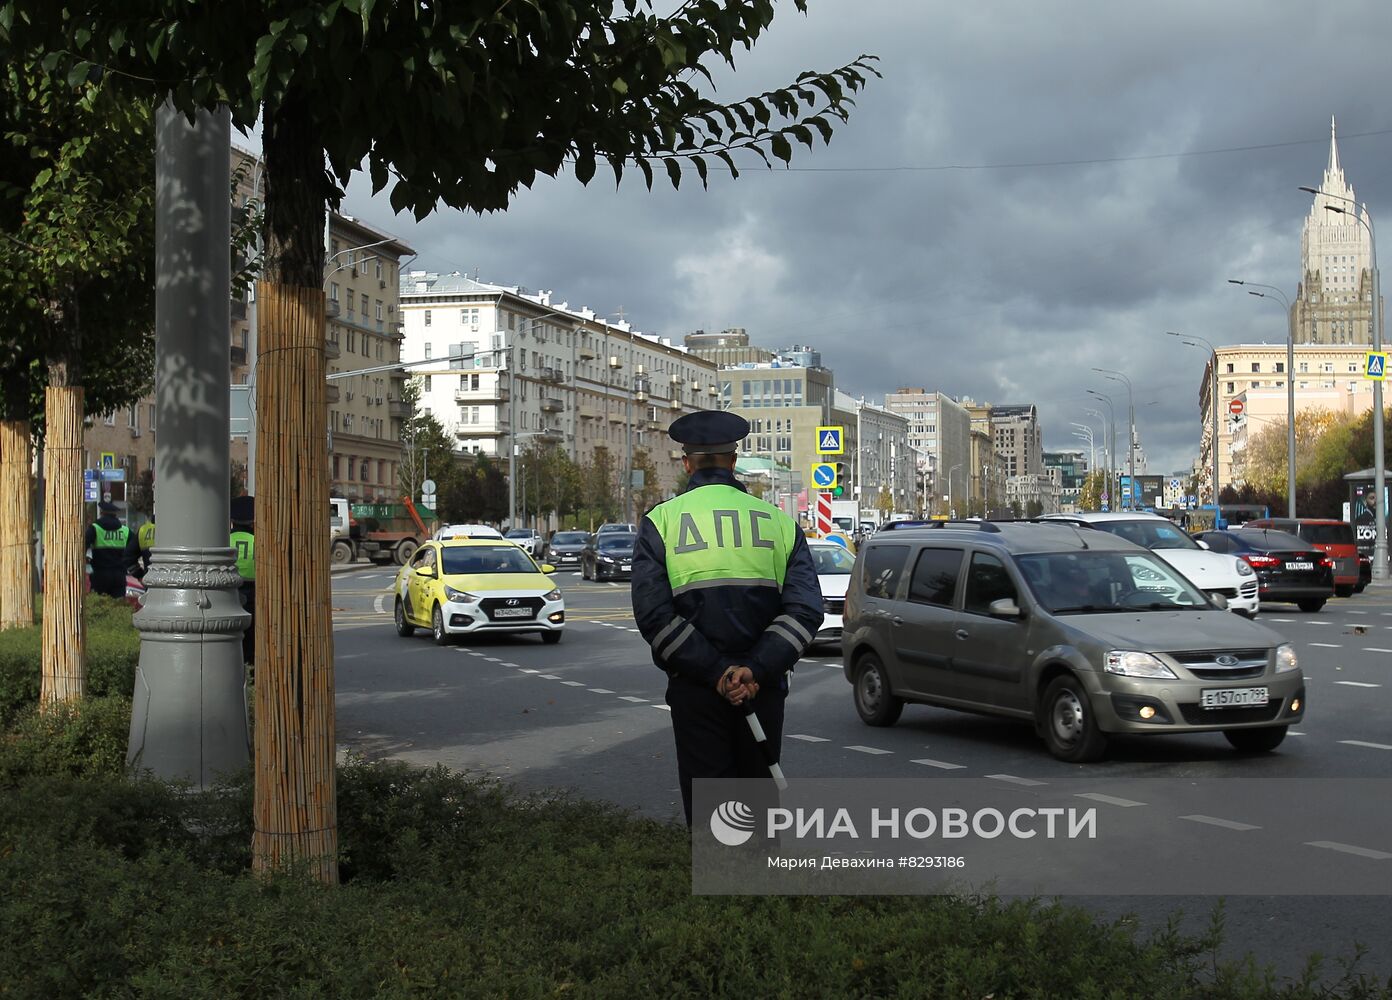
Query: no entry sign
[{"x": 1236, "y": 407}]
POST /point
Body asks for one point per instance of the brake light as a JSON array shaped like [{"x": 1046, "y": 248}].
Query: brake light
[
  {"x": 1261, "y": 562},
  {"x": 1326, "y": 562}
]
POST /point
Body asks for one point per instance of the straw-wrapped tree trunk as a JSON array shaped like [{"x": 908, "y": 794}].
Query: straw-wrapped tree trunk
[
  {"x": 64, "y": 670},
  {"x": 16, "y": 525}
]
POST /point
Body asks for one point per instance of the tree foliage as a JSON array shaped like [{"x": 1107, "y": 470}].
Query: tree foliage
[{"x": 1327, "y": 447}]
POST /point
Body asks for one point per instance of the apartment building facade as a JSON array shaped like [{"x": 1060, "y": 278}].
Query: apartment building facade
[{"x": 940, "y": 432}]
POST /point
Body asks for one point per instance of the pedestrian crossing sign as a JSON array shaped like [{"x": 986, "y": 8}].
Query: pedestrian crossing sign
[
  {"x": 108, "y": 460},
  {"x": 1376, "y": 366},
  {"x": 831, "y": 440}
]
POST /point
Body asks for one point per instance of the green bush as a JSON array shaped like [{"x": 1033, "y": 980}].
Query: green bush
[
  {"x": 113, "y": 652},
  {"x": 82, "y": 739},
  {"x": 458, "y": 888}
]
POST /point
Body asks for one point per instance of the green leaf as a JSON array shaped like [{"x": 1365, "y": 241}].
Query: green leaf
[
  {"x": 42, "y": 178},
  {"x": 673, "y": 171},
  {"x": 619, "y": 85},
  {"x": 584, "y": 166},
  {"x": 782, "y": 148},
  {"x": 646, "y": 168},
  {"x": 701, "y": 170},
  {"x": 78, "y": 74}
]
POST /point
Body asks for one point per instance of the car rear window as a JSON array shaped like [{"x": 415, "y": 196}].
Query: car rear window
[
  {"x": 1264, "y": 538},
  {"x": 884, "y": 564},
  {"x": 1327, "y": 534},
  {"x": 935, "y": 577}
]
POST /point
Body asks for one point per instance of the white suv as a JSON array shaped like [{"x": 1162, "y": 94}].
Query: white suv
[{"x": 1214, "y": 573}]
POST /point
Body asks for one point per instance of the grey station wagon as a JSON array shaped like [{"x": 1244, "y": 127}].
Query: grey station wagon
[{"x": 1085, "y": 634}]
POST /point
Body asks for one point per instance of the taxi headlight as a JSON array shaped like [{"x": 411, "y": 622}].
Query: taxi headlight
[
  {"x": 458, "y": 595},
  {"x": 1285, "y": 658},
  {"x": 1131, "y": 663},
  {"x": 555, "y": 595},
  {"x": 1244, "y": 569}
]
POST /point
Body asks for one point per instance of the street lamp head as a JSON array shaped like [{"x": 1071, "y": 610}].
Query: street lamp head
[
  {"x": 1235, "y": 281},
  {"x": 1335, "y": 208},
  {"x": 1309, "y": 190}
]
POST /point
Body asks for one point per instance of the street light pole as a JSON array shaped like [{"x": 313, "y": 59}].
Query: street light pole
[
  {"x": 951, "y": 501},
  {"x": 1189, "y": 341},
  {"x": 1274, "y": 292},
  {"x": 1375, "y": 317},
  {"x": 1117, "y": 376},
  {"x": 1111, "y": 444}
]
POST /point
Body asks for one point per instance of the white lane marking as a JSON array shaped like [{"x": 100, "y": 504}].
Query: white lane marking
[
  {"x": 1110, "y": 800},
  {"x": 1358, "y": 684},
  {"x": 1362, "y": 852},
  {"x": 808, "y": 739},
  {"x": 377, "y": 605},
  {"x": 1365, "y": 743},
  {"x": 664, "y": 708},
  {"x": 870, "y": 750},
  {"x": 1280, "y": 619},
  {"x": 593, "y": 622},
  {"x": 612, "y": 583},
  {"x": 1028, "y": 782},
  {"x": 1376, "y": 649},
  {"x": 1325, "y": 645},
  {"x": 639, "y": 631},
  {"x": 573, "y": 684},
  {"x": 1318, "y": 622},
  {"x": 599, "y": 691},
  {"x": 1294, "y": 733},
  {"x": 549, "y": 677},
  {"x": 1226, "y": 824},
  {"x": 577, "y": 576},
  {"x": 944, "y": 765},
  {"x": 493, "y": 659},
  {"x": 636, "y": 701},
  {"x": 1358, "y": 612},
  {"x": 528, "y": 670}
]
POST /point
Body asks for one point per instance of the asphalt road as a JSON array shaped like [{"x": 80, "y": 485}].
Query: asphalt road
[{"x": 588, "y": 715}]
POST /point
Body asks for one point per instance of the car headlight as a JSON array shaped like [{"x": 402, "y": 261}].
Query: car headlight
[
  {"x": 604, "y": 559},
  {"x": 1286, "y": 658},
  {"x": 1244, "y": 569},
  {"x": 458, "y": 595},
  {"x": 555, "y": 595},
  {"x": 1131, "y": 663}
]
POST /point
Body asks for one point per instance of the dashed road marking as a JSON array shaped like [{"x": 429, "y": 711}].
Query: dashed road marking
[
  {"x": 377, "y": 604},
  {"x": 1376, "y": 649},
  {"x": 632, "y": 698},
  {"x": 808, "y": 739},
  {"x": 573, "y": 684},
  {"x": 1226, "y": 824},
  {"x": 1365, "y": 743},
  {"x": 493, "y": 659},
  {"x": 1362, "y": 852},
  {"x": 1316, "y": 621},
  {"x": 1294, "y": 733},
  {"x": 1014, "y": 780},
  {"x": 1325, "y": 645},
  {"x": 1287, "y": 620},
  {"x": 1110, "y": 800},
  {"x": 1358, "y": 684},
  {"x": 528, "y": 670},
  {"x": 870, "y": 750},
  {"x": 944, "y": 765},
  {"x": 549, "y": 677},
  {"x": 664, "y": 708},
  {"x": 599, "y": 691}
]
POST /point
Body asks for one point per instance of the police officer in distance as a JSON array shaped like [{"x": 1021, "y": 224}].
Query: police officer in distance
[
  {"x": 725, "y": 592},
  {"x": 243, "y": 541},
  {"x": 108, "y": 539}
]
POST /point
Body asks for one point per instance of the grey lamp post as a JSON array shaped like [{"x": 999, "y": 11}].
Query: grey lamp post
[
  {"x": 1273, "y": 293},
  {"x": 1379, "y": 461},
  {"x": 1190, "y": 340},
  {"x": 951, "y": 496},
  {"x": 1111, "y": 443},
  {"x": 1117, "y": 376}
]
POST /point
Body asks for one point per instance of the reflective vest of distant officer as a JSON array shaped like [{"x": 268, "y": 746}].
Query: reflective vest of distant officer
[
  {"x": 244, "y": 551},
  {"x": 144, "y": 542},
  {"x": 108, "y": 539},
  {"x": 725, "y": 592}
]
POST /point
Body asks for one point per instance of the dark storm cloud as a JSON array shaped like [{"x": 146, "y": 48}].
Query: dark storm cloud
[{"x": 1011, "y": 274}]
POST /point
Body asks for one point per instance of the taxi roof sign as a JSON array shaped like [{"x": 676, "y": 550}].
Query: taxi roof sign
[{"x": 831, "y": 440}]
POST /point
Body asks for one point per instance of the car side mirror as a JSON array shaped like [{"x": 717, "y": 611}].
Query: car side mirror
[
  {"x": 424, "y": 571},
  {"x": 547, "y": 568},
  {"x": 1005, "y": 608},
  {"x": 1201, "y": 543}
]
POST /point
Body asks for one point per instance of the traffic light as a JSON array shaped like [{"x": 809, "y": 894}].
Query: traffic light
[{"x": 840, "y": 486}]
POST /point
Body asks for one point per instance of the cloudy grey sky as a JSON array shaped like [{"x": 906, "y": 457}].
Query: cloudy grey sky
[{"x": 1032, "y": 190}]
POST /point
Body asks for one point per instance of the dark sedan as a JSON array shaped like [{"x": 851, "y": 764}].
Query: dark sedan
[
  {"x": 567, "y": 547},
  {"x": 1288, "y": 570},
  {"x": 609, "y": 557}
]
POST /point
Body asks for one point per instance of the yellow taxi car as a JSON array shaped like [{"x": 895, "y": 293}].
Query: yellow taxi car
[{"x": 463, "y": 586}]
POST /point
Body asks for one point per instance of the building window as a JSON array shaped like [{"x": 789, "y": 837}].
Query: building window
[
  {"x": 1304, "y": 367},
  {"x": 352, "y": 339},
  {"x": 133, "y": 417},
  {"x": 1230, "y": 368},
  {"x": 1231, "y": 388},
  {"x": 1280, "y": 367},
  {"x": 366, "y": 471},
  {"x": 152, "y": 417},
  {"x": 333, "y": 291},
  {"x": 427, "y": 388},
  {"x": 350, "y": 305},
  {"x": 427, "y": 343},
  {"x": 379, "y": 310},
  {"x": 364, "y": 305},
  {"x": 427, "y": 322},
  {"x": 1256, "y": 366},
  {"x": 335, "y": 467}
]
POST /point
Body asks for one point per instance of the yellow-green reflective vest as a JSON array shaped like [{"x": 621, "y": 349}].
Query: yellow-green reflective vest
[
  {"x": 145, "y": 537},
  {"x": 245, "y": 544},
  {"x": 718, "y": 536},
  {"x": 110, "y": 538}
]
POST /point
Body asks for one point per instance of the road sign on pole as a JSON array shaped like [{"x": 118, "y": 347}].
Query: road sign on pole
[
  {"x": 108, "y": 460},
  {"x": 831, "y": 440},
  {"x": 1375, "y": 367},
  {"x": 824, "y": 476},
  {"x": 1236, "y": 407}
]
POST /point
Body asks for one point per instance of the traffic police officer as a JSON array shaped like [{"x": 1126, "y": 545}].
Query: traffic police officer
[
  {"x": 108, "y": 540},
  {"x": 725, "y": 592},
  {"x": 244, "y": 549},
  {"x": 144, "y": 542}
]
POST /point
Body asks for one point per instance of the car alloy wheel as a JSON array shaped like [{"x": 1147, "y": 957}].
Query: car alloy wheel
[
  {"x": 403, "y": 628},
  {"x": 437, "y": 627}
]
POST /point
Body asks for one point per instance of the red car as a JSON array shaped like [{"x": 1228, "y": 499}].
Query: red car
[{"x": 1334, "y": 538}]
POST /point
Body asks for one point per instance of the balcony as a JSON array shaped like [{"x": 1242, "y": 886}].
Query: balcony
[
  {"x": 588, "y": 411},
  {"x": 239, "y": 309},
  {"x": 481, "y": 397},
  {"x": 239, "y": 355},
  {"x": 331, "y": 393},
  {"x": 587, "y": 354},
  {"x": 398, "y": 408},
  {"x": 462, "y": 430},
  {"x": 552, "y": 406},
  {"x": 332, "y": 350}
]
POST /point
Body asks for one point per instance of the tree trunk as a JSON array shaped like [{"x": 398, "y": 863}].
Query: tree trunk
[
  {"x": 64, "y": 579},
  {"x": 295, "y": 809},
  {"x": 16, "y": 525}
]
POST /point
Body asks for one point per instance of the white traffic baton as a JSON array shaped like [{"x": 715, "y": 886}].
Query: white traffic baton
[{"x": 757, "y": 729}]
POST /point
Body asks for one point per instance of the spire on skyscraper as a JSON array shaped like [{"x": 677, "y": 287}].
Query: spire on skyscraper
[{"x": 1333, "y": 167}]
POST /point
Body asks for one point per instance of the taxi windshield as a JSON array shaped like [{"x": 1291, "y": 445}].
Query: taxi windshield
[{"x": 477, "y": 560}]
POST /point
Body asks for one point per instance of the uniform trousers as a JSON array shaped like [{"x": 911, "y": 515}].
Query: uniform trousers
[{"x": 713, "y": 739}]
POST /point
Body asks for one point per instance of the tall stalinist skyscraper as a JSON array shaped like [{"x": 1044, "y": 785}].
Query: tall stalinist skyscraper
[{"x": 1334, "y": 301}]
